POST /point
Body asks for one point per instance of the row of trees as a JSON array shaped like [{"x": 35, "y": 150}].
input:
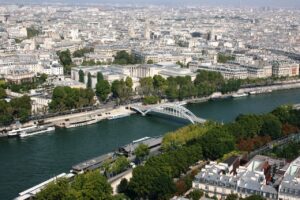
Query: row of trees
[
  {"x": 181, "y": 149},
  {"x": 124, "y": 58},
  {"x": 210, "y": 141},
  {"x": 156, "y": 88},
  {"x": 91, "y": 185},
  {"x": 247, "y": 132},
  {"x": 80, "y": 52},
  {"x": 173, "y": 88},
  {"x": 16, "y": 109},
  {"x": 66, "y": 98}
]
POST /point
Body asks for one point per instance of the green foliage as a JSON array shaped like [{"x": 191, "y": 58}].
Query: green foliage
[
  {"x": 16, "y": 109},
  {"x": 55, "y": 190},
  {"x": 231, "y": 85},
  {"x": 150, "y": 62},
  {"x": 222, "y": 58},
  {"x": 195, "y": 194},
  {"x": 141, "y": 152},
  {"x": 91, "y": 185},
  {"x": 124, "y": 58},
  {"x": 65, "y": 60},
  {"x": 150, "y": 100},
  {"x": 146, "y": 86},
  {"x": 89, "y": 81},
  {"x": 66, "y": 98},
  {"x": 160, "y": 85},
  {"x": 254, "y": 197},
  {"x": 290, "y": 151},
  {"x": 154, "y": 179},
  {"x": 121, "y": 90},
  {"x": 123, "y": 186},
  {"x": 80, "y": 53},
  {"x": 81, "y": 76},
  {"x": 99, "y": 76},
  {"x": 18, "y": 41},
  {"x": 2, "y": 93},
  {"x": 208, "y": 82},
  {"x": 182, "y": 136},
  {"x": 232, "y": 197},
  {"x": 271, "y": 126},
  {"x": 32, "y": 32},
  {"x": 217, "y": 142},
  {"x": 103, "y": 89},
  {"x": 120, "y": 165}
]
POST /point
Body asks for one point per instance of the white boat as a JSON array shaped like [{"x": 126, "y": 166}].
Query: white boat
[
  {"x": 238, "y": 95},
  {"x": 18, "y": 131},
  {"x": 37, "y": 130},
  {"x": 260, "y": 92},
  {"x": 81, "y": 123},
  {"x": 117, "y": 116}
]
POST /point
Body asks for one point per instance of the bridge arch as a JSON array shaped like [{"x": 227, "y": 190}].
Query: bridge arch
[{"x": 175, "y": 110}]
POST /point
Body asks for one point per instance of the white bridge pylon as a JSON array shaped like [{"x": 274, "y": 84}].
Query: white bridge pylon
[{"x": 174, "y": 110}]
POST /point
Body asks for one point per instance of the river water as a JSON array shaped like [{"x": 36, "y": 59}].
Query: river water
[{"x": 29, "y": 161}]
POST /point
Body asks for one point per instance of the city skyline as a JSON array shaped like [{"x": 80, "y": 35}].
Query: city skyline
[{"x": 226, "y": 3}]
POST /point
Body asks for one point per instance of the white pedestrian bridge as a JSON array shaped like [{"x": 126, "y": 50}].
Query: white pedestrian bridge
[{"x": 171, "y": 109}]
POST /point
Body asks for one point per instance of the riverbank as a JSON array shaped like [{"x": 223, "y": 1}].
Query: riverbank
[
  {"x": 95, "y": 116},
  {"x": 53, "y": 153}
]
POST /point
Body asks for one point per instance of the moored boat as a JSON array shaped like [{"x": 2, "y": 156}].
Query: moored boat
[
  {"x": 37, "y": 130},
  {"x": 238, "y": 95}
]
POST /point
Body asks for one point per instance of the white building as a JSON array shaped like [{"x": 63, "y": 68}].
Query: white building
[{"x": 289, "y": 188}]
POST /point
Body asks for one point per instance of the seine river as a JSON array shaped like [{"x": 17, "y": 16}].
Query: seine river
[{"x": 27, "y": 162}]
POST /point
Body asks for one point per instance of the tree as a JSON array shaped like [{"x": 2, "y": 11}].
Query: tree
[
  {"x": 195, "y": 194},
  {"x": 146, "y": 86},
  {"x": 99, "y": 76},
  {"x": 254, "y": 197},
  {"x": 91, "y": 185},
  {"x": 80, "y": 52},
  {"x": 124, "y": 58},
  {"x": 217, "y": 142},
  {"x": 43, "y": 77},
  {"x": 120, "y": 90},
  {"x": 65, "y": 60},
  {"x": 89, "y": 81},
  {"x": 163, "y": 189},
  {"x": 66, "y": 98},
  {"x": 122, "y": 187},
  {"x": 32, "y": 32},
  {"x": 150, "y": 62},
  {"x": 141, "y": 152},
  {"x": 119, "y": 165},
  {"x": 55, "y": 190},
  {"x": 81, "y": 76},
  {"x": 160, "y": 85},
  {"x": 129, "y": 82},
  {"x": 103, "y": 89},
  {"x": 222, "y": 58},
  {"x": 271, "y": 126},
  {"x": 2, "y": 93},
  {"x": 150, "y": 100},
  {"x": 232, "y": 197}
]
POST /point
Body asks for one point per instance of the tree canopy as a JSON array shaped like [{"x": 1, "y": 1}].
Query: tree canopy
[
  {"x": 91, "y": 185},
  {"x": 66, "y": 98}
]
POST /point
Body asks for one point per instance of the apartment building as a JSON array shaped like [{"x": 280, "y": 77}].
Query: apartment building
[{"x": 218, "y": 179}]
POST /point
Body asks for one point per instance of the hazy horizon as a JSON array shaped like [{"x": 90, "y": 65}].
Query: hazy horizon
[{"x": 252, "y": 3}]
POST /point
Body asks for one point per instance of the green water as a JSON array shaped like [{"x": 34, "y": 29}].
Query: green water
[{"x": 27, "y": 162}]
